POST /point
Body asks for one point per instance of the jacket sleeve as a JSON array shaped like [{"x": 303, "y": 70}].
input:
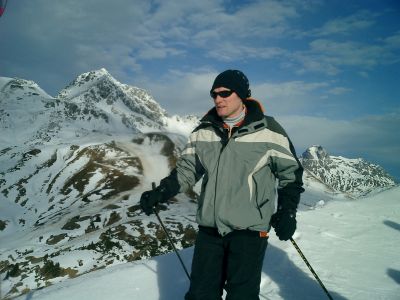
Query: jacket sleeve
[
  {"x": 287, "y": 168},
  {"x": 187, "y": 172}
]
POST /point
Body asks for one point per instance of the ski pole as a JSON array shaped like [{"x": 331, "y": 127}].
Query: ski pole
[
  {"x": 169, "y": 238},
  {"x": 311, "y": 269}
]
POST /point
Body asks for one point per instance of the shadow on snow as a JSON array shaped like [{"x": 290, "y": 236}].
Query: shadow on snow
[
  {"x": 293, "y": 282},
  {"x": 392, "y": 224}
]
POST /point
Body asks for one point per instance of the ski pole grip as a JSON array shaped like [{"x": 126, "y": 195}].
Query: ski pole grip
[{"x": 153, "y": 185}]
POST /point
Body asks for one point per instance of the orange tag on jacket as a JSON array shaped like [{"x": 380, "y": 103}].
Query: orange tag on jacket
[{"x": 263, "y": 234}]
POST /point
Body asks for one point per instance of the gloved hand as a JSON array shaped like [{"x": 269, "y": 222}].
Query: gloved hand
[
  {"x": 284, "y": 223},
  {"x": 150, "y": 199}
]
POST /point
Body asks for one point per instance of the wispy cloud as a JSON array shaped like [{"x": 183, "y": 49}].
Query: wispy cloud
[
  {"x": 289, "y": 88},
  {"x": 182, "y": 92},
  {"x": 156, "y": 30},
  {"x": 339, "y": 90},
  {"x": 290, "y": 97},
  {"x": 346, "y": 25},
  {"x": 330, "y": 56},
  {"x": 124, "y": 36},
  {"x": 393, "y": 41},
  {"x": 187, "y": 92},
  {"x": 228, "y": 52}
]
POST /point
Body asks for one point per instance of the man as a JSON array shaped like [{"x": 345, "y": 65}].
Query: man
[{"x": 244, "y": 158}]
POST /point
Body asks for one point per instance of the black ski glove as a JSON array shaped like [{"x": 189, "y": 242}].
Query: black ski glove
[
  {"x": 284, "y": 223},
  {"x": 150, "y": 199}
]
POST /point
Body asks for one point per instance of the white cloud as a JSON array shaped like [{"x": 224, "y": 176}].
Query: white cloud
[
  {"x": 140, "y": 42},
  {"x": 331, "y": 57},
  {"x": 346, "y": 25},
  {"x": 348, "y": 53},
  {"x": 116, "y": 57},
  {"x": 363, "y": 74},
  {"x": 338, "y": 46},
  {"x": 289, "y": 88},
  {"x": 339, "y": 90},
  {"x": 289, "y": 97},
  {"x": 244, "y": 33},
  {"x": 152, "y": 30},
  {"x": 393, "y": 41},
  {"x": 226, "y": 51},
  {"x": 183, "y": 92},
  {"x": 188, "y": 92}
]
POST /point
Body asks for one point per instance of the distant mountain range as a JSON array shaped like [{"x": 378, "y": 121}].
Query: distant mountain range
[
  {"x": 354, "y": 177},
  {"x": 72, "y": 168}
]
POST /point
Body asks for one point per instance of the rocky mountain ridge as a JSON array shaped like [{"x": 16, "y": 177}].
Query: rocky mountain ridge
[
  {"x": 97, "y": 94},
  {"x": 71, "y": 170},
  {"x": 73, "y": 167},
  {"x": 355, "y": 177}
]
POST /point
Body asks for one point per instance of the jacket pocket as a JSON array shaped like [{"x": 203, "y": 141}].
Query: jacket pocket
[
  {"x": 260, "y": 199},
  {"x": 260, "y": 205},
  {"x": 264, "y": 191}
]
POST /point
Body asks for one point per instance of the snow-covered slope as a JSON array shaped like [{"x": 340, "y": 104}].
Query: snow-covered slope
[
  {"x": 352, "y": 245},
  {"x": 72, "y": 169},
  {"x": 79, "y": 208},
  {"x": 355, "y": 177},
  {"x": 27, "y": 113}
]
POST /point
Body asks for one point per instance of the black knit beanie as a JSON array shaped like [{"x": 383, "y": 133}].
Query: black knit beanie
[{"x": 234, "y": 80}]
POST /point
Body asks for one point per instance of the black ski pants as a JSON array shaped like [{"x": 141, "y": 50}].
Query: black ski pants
[{"x": 232, "y": 262}]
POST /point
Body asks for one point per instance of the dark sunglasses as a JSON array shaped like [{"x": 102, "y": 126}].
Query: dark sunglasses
[{"x": 223, "y": 94}]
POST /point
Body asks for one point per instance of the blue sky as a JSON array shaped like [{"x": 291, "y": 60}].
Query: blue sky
[{"x": 329, "y": 71}]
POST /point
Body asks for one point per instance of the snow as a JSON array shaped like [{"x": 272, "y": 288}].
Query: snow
[
  {"x": 154, "y": 164},
  {"x": 84, "y": 85},
  {"x": 182, "y": 126},
  {"x": 352, "y": 246},
  {"x": 316, "y": 152},
  {"x": 354, "y": 177},
  {"x": 4, "y": 81}
]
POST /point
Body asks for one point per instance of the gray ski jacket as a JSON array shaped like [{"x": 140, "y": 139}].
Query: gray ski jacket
[{"x": 242, "y": 171}]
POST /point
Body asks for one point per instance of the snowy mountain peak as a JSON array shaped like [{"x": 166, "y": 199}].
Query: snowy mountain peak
[
  {"x": 20, "y": 88},
  {"x": 84, "y": 82},
  {"x": 98, "y": 95},
  {"x": 355, "y": 177},
  {"x": 315, "y": 152},
  {"x": 25, "y": 112}
]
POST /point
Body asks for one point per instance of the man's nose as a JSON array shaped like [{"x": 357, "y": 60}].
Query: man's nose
[{"x": 218, "y": 99}]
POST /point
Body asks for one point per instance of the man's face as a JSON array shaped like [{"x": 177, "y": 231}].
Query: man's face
[{"x": 228, "y": 107}]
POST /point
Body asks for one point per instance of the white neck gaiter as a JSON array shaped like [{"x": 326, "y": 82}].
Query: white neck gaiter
[{"x": 233, "y": 121}]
